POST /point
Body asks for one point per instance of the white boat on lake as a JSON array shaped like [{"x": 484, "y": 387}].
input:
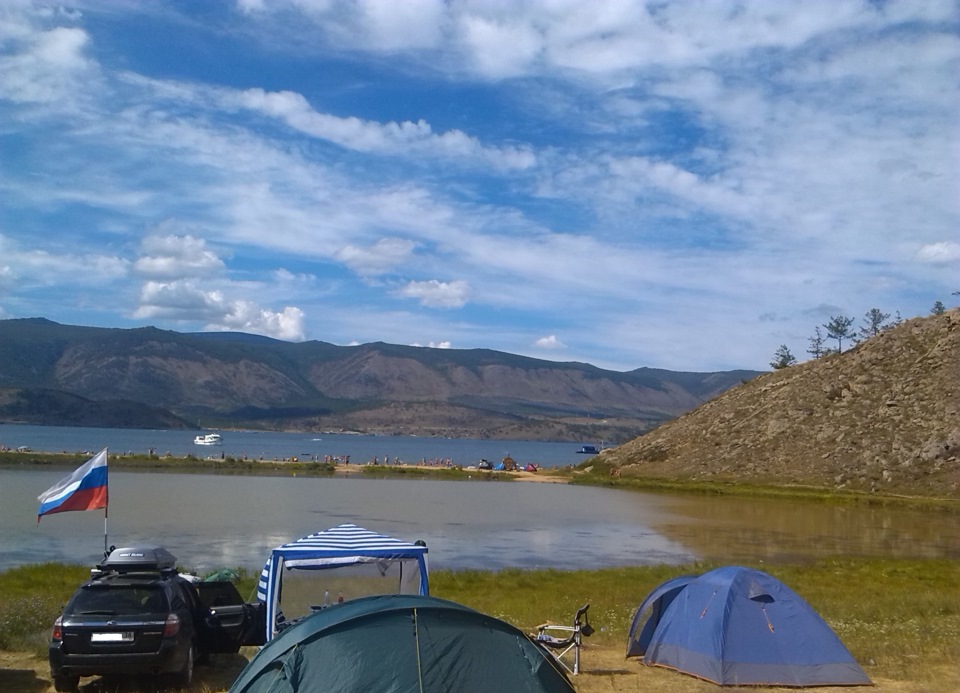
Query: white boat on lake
[{"x": 208, "y": 439}]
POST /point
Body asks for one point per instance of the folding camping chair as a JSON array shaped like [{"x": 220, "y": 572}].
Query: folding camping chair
[{"x": 566, "y": 639}]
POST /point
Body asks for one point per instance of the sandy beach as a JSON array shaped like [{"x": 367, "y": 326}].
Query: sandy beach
[{"x": 543, "y": 476}]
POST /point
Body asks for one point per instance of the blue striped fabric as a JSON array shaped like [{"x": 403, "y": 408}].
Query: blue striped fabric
[{"x": 345, "y": 544}]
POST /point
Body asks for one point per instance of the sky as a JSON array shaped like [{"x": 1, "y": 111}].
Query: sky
[{"x": 683, "y": 185}]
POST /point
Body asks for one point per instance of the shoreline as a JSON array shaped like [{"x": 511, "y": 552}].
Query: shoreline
[
  {"x": 542, "y": 476},
  {"x": 595, "y": 474},
  {"x": 33, "y": 459}
]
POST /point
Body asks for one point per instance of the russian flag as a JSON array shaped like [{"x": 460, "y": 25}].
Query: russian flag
[{"x": 85, "y": 489}]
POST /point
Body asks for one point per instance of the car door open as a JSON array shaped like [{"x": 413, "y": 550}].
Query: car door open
[{"x": 231, "y": 622}]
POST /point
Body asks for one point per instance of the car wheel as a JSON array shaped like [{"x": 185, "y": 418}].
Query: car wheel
[
  {"x": 66, "y": 684},
  {"x": 185, "y": 675}
]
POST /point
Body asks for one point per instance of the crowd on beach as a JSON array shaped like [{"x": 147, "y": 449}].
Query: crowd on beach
[
  {"x": 508, "y": 463},
  {"x": 395, "y": 461}
]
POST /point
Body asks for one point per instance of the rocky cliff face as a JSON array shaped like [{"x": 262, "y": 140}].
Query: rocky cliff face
[{"x": 882, "y": 416}]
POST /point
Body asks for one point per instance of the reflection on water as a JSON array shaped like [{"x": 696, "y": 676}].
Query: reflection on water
[
  {"x": 213, "y": 521},
  {"x": 736, "y": 529}
]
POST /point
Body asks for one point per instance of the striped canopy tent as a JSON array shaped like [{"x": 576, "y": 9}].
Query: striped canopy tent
[{"x": 342, "y": 547}]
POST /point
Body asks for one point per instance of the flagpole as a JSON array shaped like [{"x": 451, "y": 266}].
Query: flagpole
[{"x": 106, "y": 510}]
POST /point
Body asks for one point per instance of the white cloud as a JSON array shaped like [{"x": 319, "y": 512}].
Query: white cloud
[
  {"x": 363, "y": 25},
  {"x": 404, "y": 25},
  {"x": 437, "y": 294},
  {"x": 186, "y": 283},
  {"x": 245, "y": 316},
  {"x": 185, "y": 300},
  {"x": 381, "y": 257},
  {"x": 36, "y": 267},
  {"x": 171, "y": 257},
  {"x": 436, "y": 345},
  {"x": 396, "y": 138},
  {"x": 181, "y": 299},
  {"x": 499, "y": 48},
  {"x": 251, "y": 6},
  {"x": 943, "y": 253},
  {"x": 608, "y": 40},
  {"x": 549, "y": 342},
  {"x": 46, "y": 67}
]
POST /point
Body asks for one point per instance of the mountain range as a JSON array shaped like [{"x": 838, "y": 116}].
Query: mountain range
[{"x": 58, "y": 374}]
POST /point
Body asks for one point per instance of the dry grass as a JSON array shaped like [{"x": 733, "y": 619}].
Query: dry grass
[{"x": 604, "y": 671}]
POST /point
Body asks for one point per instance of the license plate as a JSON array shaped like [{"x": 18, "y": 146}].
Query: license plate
[{"x": 111, "y": 637}]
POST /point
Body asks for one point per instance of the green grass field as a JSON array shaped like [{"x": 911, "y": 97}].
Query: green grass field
[{"x": 899, "y": 618}]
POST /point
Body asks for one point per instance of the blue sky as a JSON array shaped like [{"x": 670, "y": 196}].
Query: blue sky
[{"x": 681, "y": 185}]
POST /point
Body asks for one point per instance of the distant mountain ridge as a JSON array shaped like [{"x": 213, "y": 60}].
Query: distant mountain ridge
[{"x": 234, "y": 379}]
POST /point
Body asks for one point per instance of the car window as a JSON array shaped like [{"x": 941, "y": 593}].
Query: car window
[
  {"x": 214, "y": 594},
  {"x": 118, "y": 600},
  {"x": 181, "y": 598}
]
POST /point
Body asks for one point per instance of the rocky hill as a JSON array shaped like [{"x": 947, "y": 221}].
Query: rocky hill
[
  {"x": 240, "y": 380},
  {"x": 55, "y": 408},
  {"x": 882, "y": 416}
]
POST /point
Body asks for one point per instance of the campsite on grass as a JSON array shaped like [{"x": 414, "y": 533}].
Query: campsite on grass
[
  {"x": 740, "y": 627},
  {"x": 311, "y": 585},
  {"x": 729, "y": 626}
]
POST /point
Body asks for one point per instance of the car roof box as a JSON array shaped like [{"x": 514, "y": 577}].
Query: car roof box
[{"x": 139, "y": 559}]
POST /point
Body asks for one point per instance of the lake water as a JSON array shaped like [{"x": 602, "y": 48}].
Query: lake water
[
  {"x": 273, "y": 445},
  {"x": 210, "y": 521}
]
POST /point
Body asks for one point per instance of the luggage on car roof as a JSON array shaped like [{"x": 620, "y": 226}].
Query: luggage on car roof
[{"x": 138, "y": 559}]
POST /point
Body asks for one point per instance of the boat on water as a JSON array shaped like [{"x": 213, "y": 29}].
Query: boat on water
[
  {"x": 588, "y": 450},
  {"x": 208, "y": 439}
]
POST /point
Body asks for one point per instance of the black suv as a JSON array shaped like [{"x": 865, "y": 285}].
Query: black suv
[{"x": 137, "y": 615}]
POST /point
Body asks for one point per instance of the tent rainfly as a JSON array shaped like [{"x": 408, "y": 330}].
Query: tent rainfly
[
  {"x": 339, "y": 547},
  {"x": 741, "y": 627},
  {"x": 401, "y": 643}
]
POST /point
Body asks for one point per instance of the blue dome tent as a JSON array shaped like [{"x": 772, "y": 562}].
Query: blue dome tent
[
  {"x": 398, "y": 644},
  {"x": 400, "y": 566},
  {"x": 737, "y": 626}
]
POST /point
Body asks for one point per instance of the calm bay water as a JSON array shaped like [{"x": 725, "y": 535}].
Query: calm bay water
[
  {"x": 212, "y": 521},
  {"x": 272, "y": 445}
]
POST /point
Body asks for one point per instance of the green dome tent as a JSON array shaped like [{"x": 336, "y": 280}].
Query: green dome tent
[{"x": 400, "y": 644}]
